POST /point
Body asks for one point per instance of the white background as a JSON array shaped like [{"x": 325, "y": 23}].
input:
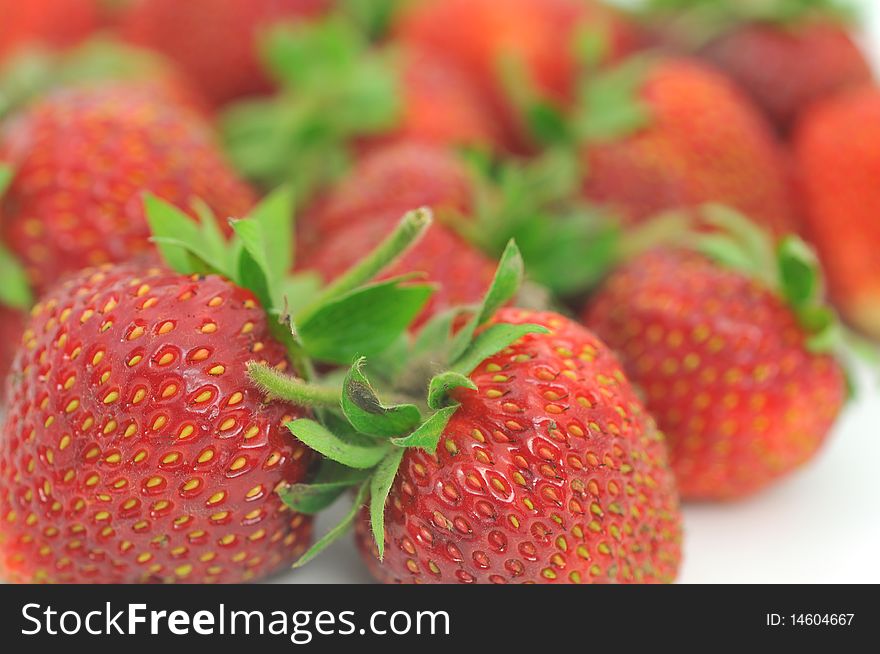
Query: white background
[{"x": 821, "y": 525}]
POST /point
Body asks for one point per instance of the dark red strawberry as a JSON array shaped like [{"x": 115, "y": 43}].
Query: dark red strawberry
[
  {"x": 550, "y": 471},
  {"x": 135, "y": 449},
  {"x": 700, "y": 141},
  {"x": 11, "y": 327},
  {"x": 59, "y": 23},
  {"x": 787, "y": 68},
  {"x": 733, "y": 374},
  {"x": 215, "y": 43},
  {"x": 81, "y": 159}
]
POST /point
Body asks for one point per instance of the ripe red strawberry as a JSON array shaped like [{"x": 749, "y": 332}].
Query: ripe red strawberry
[
  {"x": 393, "y": 179},
  {"x": 550, "y": 471},
  {"x": 726, "y": 368},
  {"x": 837, "y": 146},
  {"x": 215, "y": 43},
  {"x": 82, "y": 158},
  {"x": 11, "y": 327},
  {"x": 538, "y": 35},
  {"x": 59, "y": 23},
  {"x": 786, "y": 68},
  {"x": 135, "y": 449},
  {"x": 702, "y": 142}
]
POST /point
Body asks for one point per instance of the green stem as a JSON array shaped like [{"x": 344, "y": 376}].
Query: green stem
[
  {"x": 407, "y": 233},
  {"x": 291, "y": 389}
]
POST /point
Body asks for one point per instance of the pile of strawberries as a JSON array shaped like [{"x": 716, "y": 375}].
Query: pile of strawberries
[{"x": 514, "y": 277}]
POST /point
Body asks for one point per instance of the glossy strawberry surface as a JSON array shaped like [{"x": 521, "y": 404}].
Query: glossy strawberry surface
[
  {"x": 703, "y": 142},
  {"x": 11, "y": 327},
  {"x": 135, "y": 449},
  {"x": 837, "y": 146},
  {"x": 550, "y": 472},
  {"x": 724, "y": 367},
  {"x": 83, "y": 158},
  {"x": 215, "y": 41},
  {"x": 785, "y": 70}
]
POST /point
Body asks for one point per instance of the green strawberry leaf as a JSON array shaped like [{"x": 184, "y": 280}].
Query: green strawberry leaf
[
  {"x": 799, "y": 271},
  {"x": 491, "y": 341},
  {"x": 504, "y": 287},
  {"x": 363, "y": 322},
  {"x": 340, "y": 529},
  {"x": 429, "y": 432},
  {"x": 300, "y": 290},
  {"x": 373, "y": 17},
  {"x": 15, "y": 292},
  {"x": 610, "y": 106},
  {"x": 380, "y": 486},
  {"x": 368, "y": 415},
  {"x": 179, "y": 239},
  {"x": 436, "y": 334},
  {"x": 331, "y": 482},
  {"x": 441, "y": 385},
  {"x": 351, "y": 450}
]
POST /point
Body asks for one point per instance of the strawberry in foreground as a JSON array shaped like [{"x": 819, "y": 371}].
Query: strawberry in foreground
[
  {"x": 837, "y": 146},
  {"x": 81, "y": 157},
  {"x": 785, "y": 55},
  {"x": 733, "y": 352},
  {"x": 215, "y": 43},
  {"x": 666, "y": 133},
  {"x": 135, "y": 448},
  {"x": 530, "y": 460}
]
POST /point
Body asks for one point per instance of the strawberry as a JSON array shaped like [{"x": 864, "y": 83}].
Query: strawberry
[
  {"x": 731, "y": 367},
  {"x": 536, "y": 37},
  {"x": 58, "y": 23},
  {"x": 536, "y": 461},
  {"x": 135, "y": 447},
  {"x": 785, "y": 55},
  {"x": 697, "y": 139},
  {"x": 146, "y": 457},
  {"x": 11, "y": 328},
  {"x": 215, "y": 43},
  {"x": 393, "y": 179},
  {"x": 787, "y": 69},
  {"x": 836, "y": 147},
  {"x": 81, "y": 158}
]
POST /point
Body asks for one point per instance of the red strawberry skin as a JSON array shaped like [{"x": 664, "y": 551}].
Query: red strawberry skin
[
  {"x": 704, "y": 143},
  {"x": 540, "y": 35},
  {"x": 11, "y": 327},
  {"x": 724, "y": 369},
  {"x": 83, "y": 158},
  {"x": 214, "y": 41},
  {"x": 551, "y": 472},
  {"x": 786, "y": 70},
  {"x": 59, "y": 23},
  {"x": 135, "y": 450},
  {"x": 837, "y": 147},
  {"x": 395, "y": 178}
]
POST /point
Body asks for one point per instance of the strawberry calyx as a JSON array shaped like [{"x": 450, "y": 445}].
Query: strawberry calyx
[
  {"x": 352, "y": 316},
  {"x": 364, "y": 438},
  {"x": 334, "y": 87},
  {"x": 789, "y": 267},
  {"x": 15, "y": 291},
  {"x": 34, "y": 71}
]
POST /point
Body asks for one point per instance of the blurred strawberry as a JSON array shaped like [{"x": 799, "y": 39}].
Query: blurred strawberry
[
  {"x": 533, "y": 42},
  {"x": 837, "y": 144},
  {"x": 56, "y": 23},
  {"x": 214, "y": 41},
  {"x": 785, "y": 55},
  {"x": 82, "y": 157},
  {"x": 669, "y": 133}
]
